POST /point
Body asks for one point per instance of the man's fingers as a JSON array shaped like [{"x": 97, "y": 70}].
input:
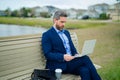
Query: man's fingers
[{"x": 68, "y": 57}]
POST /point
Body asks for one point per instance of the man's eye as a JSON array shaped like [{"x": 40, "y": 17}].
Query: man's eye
[{"x": 62, "y": 21}]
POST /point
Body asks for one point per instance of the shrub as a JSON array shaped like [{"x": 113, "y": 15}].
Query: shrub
[{"x": 103, "y": 16}]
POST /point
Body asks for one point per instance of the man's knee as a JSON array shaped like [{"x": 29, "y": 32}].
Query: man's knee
[{"x": 86, "y": 57}]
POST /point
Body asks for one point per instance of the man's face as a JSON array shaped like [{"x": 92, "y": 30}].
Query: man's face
[{"x": 60, "y": 23}]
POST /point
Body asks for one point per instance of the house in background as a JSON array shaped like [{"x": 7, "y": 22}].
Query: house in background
[
  {"x": 2, "y": 13},
  {"x": 114, "y": 11},
  {"x": 94, "y": 11},
  {"x": 36, "y": 11},
  {"x": 92, "y": 14},
  {"x": 48, "y": 9},
  {"x": 72, "y": 13},
  {"x": 75, "y": 13}
]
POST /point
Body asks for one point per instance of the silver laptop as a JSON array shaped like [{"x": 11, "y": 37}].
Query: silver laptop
[{"x": 88, "y": 47}]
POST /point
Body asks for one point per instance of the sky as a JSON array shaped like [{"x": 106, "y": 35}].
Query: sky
[{"x": 63, "y": 4}]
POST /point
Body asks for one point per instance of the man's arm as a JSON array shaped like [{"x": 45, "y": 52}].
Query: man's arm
[{"x": 47, "y": 49}]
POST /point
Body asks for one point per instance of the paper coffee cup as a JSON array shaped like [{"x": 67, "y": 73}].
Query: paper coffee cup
[{"x": 58, "y": 73}]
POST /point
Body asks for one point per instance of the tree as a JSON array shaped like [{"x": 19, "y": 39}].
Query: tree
[
  {"x": 8, "y": 12},
  {"x": 25, "y": 12},
  {"x": 15, "y": 13}
]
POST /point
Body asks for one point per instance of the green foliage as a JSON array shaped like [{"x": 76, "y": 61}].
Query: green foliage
[
  {"x": 24, "y": 12},
  {"x": 104, "y": 16},
  {"x": 15, "y": 13}
]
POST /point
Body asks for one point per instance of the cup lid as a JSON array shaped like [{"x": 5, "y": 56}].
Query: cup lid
[{"x": 58, "y": 70}]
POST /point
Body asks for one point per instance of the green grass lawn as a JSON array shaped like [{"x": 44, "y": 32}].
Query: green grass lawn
[{"x": 107, "y": 49}]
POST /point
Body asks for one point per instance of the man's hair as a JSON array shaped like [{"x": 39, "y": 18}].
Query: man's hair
[{"x": 59, "y": 14}]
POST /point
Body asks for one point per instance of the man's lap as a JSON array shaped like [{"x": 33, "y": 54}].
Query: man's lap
[{"x": 75, "y": 65}]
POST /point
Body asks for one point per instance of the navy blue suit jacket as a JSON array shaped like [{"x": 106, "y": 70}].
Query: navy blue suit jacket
[{"x": 54, "y": 50}]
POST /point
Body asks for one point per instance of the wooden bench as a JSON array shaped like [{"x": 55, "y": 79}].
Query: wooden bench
[{"x": 20, "y": 55}]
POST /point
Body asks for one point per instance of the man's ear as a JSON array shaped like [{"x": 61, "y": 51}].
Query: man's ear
[{"x": 54, "y": 20}]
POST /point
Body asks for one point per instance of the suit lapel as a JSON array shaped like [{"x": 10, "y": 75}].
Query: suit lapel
[{"x": 56, "y": 36}]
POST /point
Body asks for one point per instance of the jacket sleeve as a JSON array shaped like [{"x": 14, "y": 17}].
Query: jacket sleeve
[{"x": 47, "y": 49}]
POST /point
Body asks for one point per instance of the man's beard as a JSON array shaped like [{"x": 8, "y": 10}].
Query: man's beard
[{"x": 58, "y": 27}]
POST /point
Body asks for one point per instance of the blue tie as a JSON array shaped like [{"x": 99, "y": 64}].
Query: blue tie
[{"x": 65, "y": 41}]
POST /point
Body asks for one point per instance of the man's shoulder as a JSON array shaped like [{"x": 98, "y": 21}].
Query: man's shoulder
[{"x": 48, "y": 32}]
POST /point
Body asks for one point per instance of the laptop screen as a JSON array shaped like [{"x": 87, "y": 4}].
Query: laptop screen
[{"x": 88, "y": 47}]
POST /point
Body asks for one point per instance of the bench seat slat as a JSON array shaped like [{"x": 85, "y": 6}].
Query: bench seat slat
[
  {"x": 23, "y": 77},
  {"x": 18, "y": 74},
  {"x": 19, "y": 69}
]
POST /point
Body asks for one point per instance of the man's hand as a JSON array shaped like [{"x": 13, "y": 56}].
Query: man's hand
[{"x": 68, "y": 57}]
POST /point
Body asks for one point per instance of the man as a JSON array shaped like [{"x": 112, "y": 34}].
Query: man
[{"x": 60, "y": 52}]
